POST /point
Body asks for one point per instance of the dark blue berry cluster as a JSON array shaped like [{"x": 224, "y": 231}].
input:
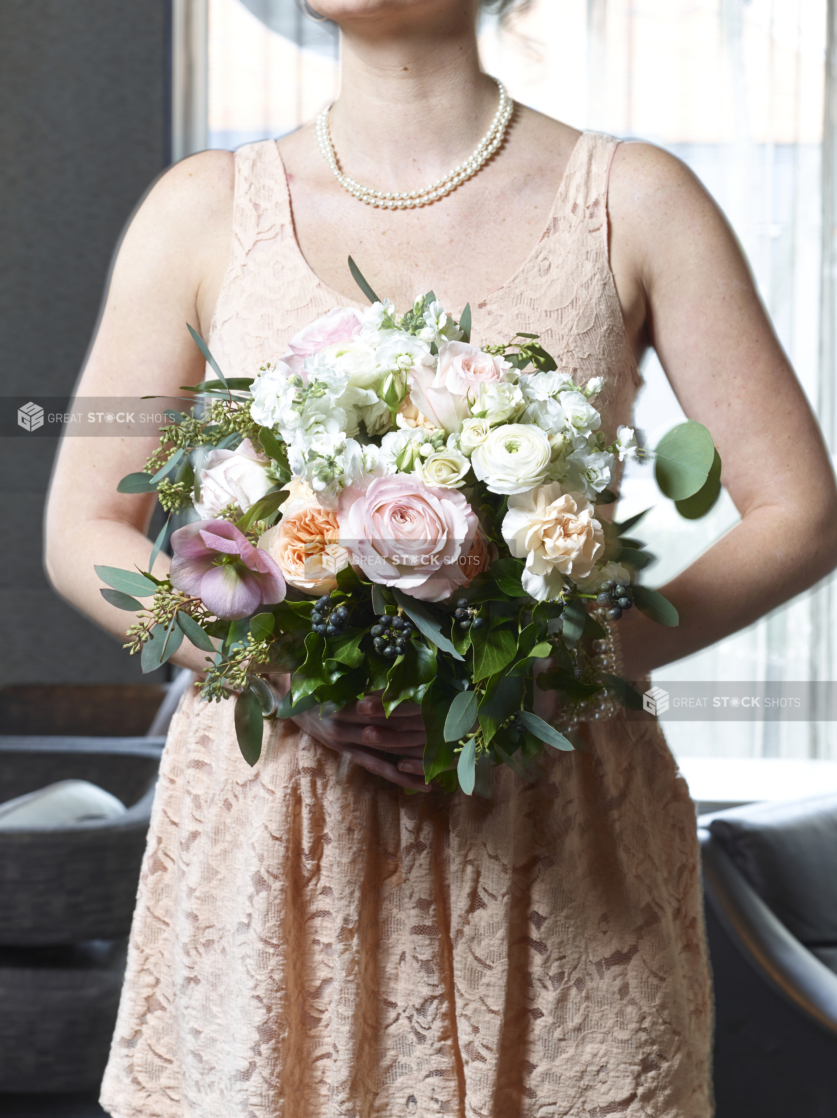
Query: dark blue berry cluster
[
  {"x": 328, "y": 619},
  {"x": 466, "y": 617},
  {"x": 617, "y": 596},
  {"x": 391, "y": 635}
]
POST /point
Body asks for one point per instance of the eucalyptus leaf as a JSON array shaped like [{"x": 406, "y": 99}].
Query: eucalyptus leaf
[
  {"x": 654, "y": 605},
  {"x": 465, "y": 323},
  {"x": 121, "y": 601},
  {"x": 543, "y": 731},
  {"x": 465, "y": 768},
  {"x": 699, "y": 504},
  {"x": 493, "y": 650},
  {"x": 261, "y": 626},
  {"x": 634, "y": 557},
  {"x": 213, "y": 364},
  {"x": 272, "y": 445},
  {"x": 194, "y": 632},
  {"x": 501, "y": 700},
  {"x": 684, "y": 458},
  {"x": 461, "y": 716},
  {"x": 249, "y": 726},
  {"x": 136, "y": 483},
  {"x": 158, "y": 543},
  {"x": 129, "y": 582},
  {"x": 625, "y": 525},
  {"x": 265, "y": 694},
  {"x": 438, "y": 755},
  {"x": 168, "y": 466},
  {"x": 357, "y": 275},
  {"x": 574, "y": 618},
  {"x": 606, "y": 497},
  {"x": 164, "y": 642},
  {"x": 628, "y": 696},
  {"x": 237, "y": 384}
]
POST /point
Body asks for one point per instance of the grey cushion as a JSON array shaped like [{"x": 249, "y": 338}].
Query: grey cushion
[
  {"x": 788, "y": 853},
  {"x": 67, "y": 803}
]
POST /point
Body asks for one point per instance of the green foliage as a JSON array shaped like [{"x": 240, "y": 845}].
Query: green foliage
[
  {"x": 136, "y": 483},
  {"x": 684, "y": 458},
  {"x": 357, "y": 276},
  {"x": 262, "y": 625},
  {"x": 461, "y": 715},
  {"x": 507, "y": 574},
  {"x": 213, "y": 364},
  {"x": 438, "y": 756},
  {"x": 122, "y": 601},
  {"x": 161, "y": 646},
  {"x": 409, "y": 676},
  {"x": 129, "y": 582},
  {"x": 699, "y": 504},
  {"x": 544, "y": 732},
  {"x": 428, "y": 623},
  {"x": 574, "y": 618},
  {"x": 493, "y": 649},
  {"x": 501, "y": 701},
  {"x": 465, "y": 323},
  {"x": 249, "y": 725},
  {"x": 655, "y": 606},
  {"x": 465, "y": 768},
  {"x": 194, "y": 632}
]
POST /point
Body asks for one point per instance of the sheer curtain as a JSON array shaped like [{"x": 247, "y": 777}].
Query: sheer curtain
[{"x": 744, "y": 92}]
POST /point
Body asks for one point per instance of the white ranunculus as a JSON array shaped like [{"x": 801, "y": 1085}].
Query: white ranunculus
[
  {"x": 232, "y": 477},
  {"x": 513, "y": 458},
  {"x": 474, "y": 432},
  {"x": 446, "y": 468},
  {"x": 498, "y": 403},
  {"x": 558, "y": 536},
  {"x": 357, "y": 359},
  {"x": 546, "y": 414},
  {"x": 545, "y": 386}
]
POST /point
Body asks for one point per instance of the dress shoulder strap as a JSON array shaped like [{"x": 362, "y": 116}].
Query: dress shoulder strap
[
  {"x": 583, "y": 193},
  {"x": 262, "y": 209}
]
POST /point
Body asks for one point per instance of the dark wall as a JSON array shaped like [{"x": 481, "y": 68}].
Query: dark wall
[{"x": 83, "y": 132}]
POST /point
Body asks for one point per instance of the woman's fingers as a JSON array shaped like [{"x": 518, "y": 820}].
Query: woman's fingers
[{"x": 380, "y": 766}]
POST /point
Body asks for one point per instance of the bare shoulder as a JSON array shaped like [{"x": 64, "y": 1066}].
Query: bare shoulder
[
  {"x": 542, "y": 141},
  {"x": 190, "y": 197}
]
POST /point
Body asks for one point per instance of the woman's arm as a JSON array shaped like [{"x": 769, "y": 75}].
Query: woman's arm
[
  {"x": 673, "y": 253},
  {"x": 172, "y": 257}
]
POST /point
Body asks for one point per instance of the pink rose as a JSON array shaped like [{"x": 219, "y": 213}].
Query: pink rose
[
  {"x": 214, "y": 561},
  {"x": 435, "y": 401},
  {"x": 410, "y": 535},
  {"x": 338, "y": 325},
  {"x": 483, "y": 553},
  {"x": 463, "y": 367}
]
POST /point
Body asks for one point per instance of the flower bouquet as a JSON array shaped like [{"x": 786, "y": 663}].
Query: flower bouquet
[{"x": 390, "y": 509}]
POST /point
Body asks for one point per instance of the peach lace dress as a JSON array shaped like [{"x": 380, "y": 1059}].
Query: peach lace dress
[{"x": 311, "y": 942}]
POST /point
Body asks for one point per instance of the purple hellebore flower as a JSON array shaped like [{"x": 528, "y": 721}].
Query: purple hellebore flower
[{"x": 215, "y": 561}]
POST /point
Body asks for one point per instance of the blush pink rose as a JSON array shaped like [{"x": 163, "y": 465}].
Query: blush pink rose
[
  {"x": 339, "y": 325},
  {"x": 463, "y": 367},
  {"x": 483, "y": 553},
  {"x": 403, "y": 533}
]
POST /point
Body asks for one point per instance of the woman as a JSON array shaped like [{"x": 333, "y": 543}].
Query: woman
[{"x": 310, "y": 941}]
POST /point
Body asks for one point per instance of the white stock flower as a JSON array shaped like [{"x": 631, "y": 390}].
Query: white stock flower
[
  {"x": 474, "y": 432},
  {"x": 593, "y": 386},
  {"x": 620, "y": 575},
  {"x": 544, "y": 386},
  {"x": 580, "y": 417},
  {"x": 403, "y": 352},
  {"x": 446, "y": 468},
  {"x": 513, "y": 458},
  {"x": 274, "y": 392},
  {"x": 626, "y": 442},
  {"x": 546, "y": 414},
  {"x": 589, "y": 470},
  {"x": 498, "y": 402},
  {"x": 558, "y": 536},
  {"x": 438, "y": 327}
]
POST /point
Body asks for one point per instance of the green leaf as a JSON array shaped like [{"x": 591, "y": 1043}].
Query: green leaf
[
  {"x": 501, "y": 700},
  {"x": 636, "y": 558},
  {"x": 237, "y": 633},
  {"x": 272, "y": 445},
  {"x": 606, "y": 497},
  {"x": 357, "y": 275},
  {"x": 699, "y": 504},
  {"x": 291, "y": 620},
  {"x": 165, "y": 641},
  {"x": 507, "y": 574},
  {"x": 379, "y": 600},
  {"x": 410, "y": 676},
  {"x": 543, "y": 731},
  {"x": 684, "y": 458},
  {"x": 626, "y": 525},
  {"x": 121, "y": 601},
  {"x": 465, "y": 323},
  {"x": 129, "y": 582},
  {"x": 627, "y": 695},
  {"x": 461, "y": 716},
  {"x": 167, "y": 467},
  {"x": 654, "y": 605},
  {"x": 513, "y": 762},
  {"x": 426, "y": 623},
  {"x": 262, "y": 509},
  {"x": 313, "y": 672},
  {"x": 249, "y": 726},
  {"x": 544, "y": 612},
  {"x": 195, "y": 633},
  {"x": 465, "y": 768},
  {"x": 493, "y": 650},
  {"x": 438, "y": 755},
  {"x": 574, "y": 619},
  {"x": 262, "y": 625},
  {"x": 239, "y": 384},
  {"x": 346, "y": 648},
  {"x": 462, "y": 638},
  {"x": 542, "y": 360},
  {"x": 288, "y": 708},
  {"x": 524, "y": 667},
  {"x": 136, "y": 483},
  {"x": 213, "y": 364},
  {"x": 158, "y": 543}
]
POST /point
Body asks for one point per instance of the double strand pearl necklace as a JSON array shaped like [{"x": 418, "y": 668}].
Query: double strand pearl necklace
[{"x": 438, "y": 189}]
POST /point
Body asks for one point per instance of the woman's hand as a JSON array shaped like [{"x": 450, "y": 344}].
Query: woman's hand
[{"x": 389, "y": 747}]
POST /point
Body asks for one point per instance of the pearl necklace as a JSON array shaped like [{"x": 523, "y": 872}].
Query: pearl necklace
[{"x": 438, "y": 189}]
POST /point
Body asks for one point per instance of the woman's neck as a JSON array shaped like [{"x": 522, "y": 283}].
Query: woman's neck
[{"x": 413, "y": 102}]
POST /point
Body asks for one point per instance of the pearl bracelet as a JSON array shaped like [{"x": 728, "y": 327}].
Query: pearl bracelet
[{"x": 607, "y": 657}]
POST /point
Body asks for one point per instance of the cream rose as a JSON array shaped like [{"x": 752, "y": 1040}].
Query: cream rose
[
  {"x": 232, "y": 477},
  {"x": 557, "y": 534},
  {"x": 514, "y": 458},
  {"x": 409, "y": 416},
  {"x": 306, "y": 545},
  {"x": 447, "y": 468},
  {"x": 474, "y": 432}
]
